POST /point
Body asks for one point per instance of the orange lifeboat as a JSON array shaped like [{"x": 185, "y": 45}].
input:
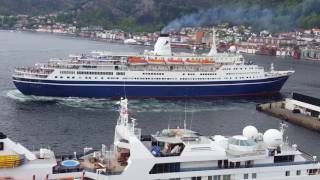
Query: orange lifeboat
[
  {"x": 207, "y": 61},
  {"x": 192, "y": 61},
  {"x": 156, "y": 61},
  {"x": 136, "y": 60},
  {"x": 175, "y": 61}
]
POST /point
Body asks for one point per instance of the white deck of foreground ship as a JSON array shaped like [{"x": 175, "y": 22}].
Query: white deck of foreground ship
[{"x": 176, "y": 154}]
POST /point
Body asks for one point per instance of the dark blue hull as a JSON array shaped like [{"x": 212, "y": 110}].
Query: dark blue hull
[{"x": 115, "y": 89}]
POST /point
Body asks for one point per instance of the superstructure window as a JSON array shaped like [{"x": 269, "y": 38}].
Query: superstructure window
[
  {"x": 196, "y": 178},
  {"x": 165, "y": 168},
  {"x": 287, "y": 173},
  {"x": 246, "y": 176},
  {"x": 298, "y": 172},
  {"x": 67, "y": 72},
  {"x": 95, "y": 73},
  {"x": 225, "y": 164},
  {"x": 121, "y": 73},
  {"x": 226, "y": 177},
  {"x": 254, "y": 175},
  {"x": 248, "y": 164},
  {"x": 280, "y": 159},
  {"x": 231, "y": 165},
  {"x": 313, "y": 171}
]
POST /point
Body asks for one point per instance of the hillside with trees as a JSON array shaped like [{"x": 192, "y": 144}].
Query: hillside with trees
[{"x": 153, "y": 15}]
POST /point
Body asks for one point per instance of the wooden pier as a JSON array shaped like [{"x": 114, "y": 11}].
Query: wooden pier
[{"x": 277, "y": 109}]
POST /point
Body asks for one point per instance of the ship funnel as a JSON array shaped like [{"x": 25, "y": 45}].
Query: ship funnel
[
  {"x": 213, "y": 49},
  {"x": 162, "y": 46}
]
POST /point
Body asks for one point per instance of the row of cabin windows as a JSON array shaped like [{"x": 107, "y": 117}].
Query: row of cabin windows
[
  {"x": 239, "y": 68},
  {"x": 88, "y": 66},
  {"x": 250, "y": 77},
  {"x": 189, "y": 74},
  {"x": 313, "y": 171},
  {"x": 170, "y": 78},
  {"x": 200, "y": 78},
  {"x": 175, "y": 167},
  {"x": 227, "y": 164},
  {"x": 153, "y": 73},
  {"x": 298, "y": 173},
  {"x": 72, "y": 77},
  {"x": 246, "y": 176},
  {"x": 95, "y": 73},
  {"x": 216, "y": 177},
  {"x": 67, "y": 72},
  {"x": 150, "y": 78},
  {"x": 253, "y": 176},
  {"x": 207, "y": 74},
  {"x": 237, "y": 73}
]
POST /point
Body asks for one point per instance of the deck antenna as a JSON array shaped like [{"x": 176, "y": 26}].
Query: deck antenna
[
  {"x": 191, "y": 117},
  {"x": 169, "y": 122},
  {"x": 124, "y": 89},
  {"x": 185, "y": 116}
]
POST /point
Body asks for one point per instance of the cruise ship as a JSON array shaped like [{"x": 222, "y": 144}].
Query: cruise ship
[
  {"x": 158, "y": 73},
  {"x": 178, "y": 153}
]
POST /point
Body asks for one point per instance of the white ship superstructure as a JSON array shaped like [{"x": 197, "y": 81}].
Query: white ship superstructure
[{"x": 170, "y": 154}]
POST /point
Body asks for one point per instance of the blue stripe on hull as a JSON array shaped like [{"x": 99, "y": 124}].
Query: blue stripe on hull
[{"x": 114, "y": 91}]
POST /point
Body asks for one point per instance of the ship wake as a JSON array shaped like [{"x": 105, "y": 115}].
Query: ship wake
[{"x": 136, "y": 105}]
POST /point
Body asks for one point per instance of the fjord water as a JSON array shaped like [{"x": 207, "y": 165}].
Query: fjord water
[{"x": 69, "y": 124}]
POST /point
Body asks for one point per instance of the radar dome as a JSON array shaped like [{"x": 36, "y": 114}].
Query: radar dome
[
  {"x": 273, "y": 138},
  {"x": 233, "y": 49},
  {"x": 250, "y": 132}
]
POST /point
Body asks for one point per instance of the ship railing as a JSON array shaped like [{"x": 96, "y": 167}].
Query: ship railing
[
  {"x": 308, "y": 156},
  {"x": 103, "y": 172},
  {"x": 34, "y": 71},
  {"x": 247, "y": 166},
  {"x": 78, "y": 66},
  {"x": 19, "y": 74},
  {"x": 259, "y": 152},
  {"x": 137, "y": 132}
]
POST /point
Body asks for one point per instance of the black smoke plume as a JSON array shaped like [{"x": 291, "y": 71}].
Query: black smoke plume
[{"x": 257, "y": 16}]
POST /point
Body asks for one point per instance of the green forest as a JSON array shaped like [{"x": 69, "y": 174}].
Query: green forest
[{"x": 152, "y": 15}]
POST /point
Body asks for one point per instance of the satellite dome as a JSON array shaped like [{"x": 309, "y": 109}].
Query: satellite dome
[
  {"x": 232, "y": 49},
  {"x": 250, "y": 132},
  {"x": 273, "y": 138}
]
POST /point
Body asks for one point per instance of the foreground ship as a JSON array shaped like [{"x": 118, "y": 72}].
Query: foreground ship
[
  {"x": 168, "y": 154},
  {"x": 158, "y": 73}
]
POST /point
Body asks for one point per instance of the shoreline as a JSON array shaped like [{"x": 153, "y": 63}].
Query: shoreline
[{"x": 75, "y": 36}]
